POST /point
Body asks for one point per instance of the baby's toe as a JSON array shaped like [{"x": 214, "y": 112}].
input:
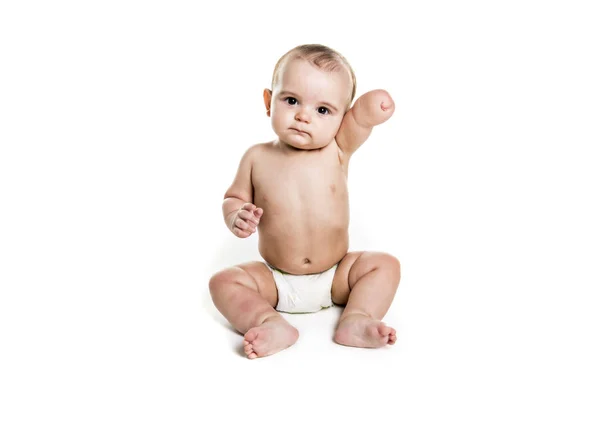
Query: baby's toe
[
  {"x": 249, "y": 350},
  {"x": 392, "y": 337},
  {"x": 250, "y": 336},
  {"x": 384, "y": 330}
]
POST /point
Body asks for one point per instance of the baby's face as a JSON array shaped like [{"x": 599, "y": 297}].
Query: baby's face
[{"x": 308, "y": 104}]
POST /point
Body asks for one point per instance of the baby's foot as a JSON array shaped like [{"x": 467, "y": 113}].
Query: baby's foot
[
  {"x": 359, "y": 330},
  {"x": 272, "y": 336}
]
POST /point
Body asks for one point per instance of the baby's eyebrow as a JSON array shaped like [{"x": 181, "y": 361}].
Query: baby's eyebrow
[{"x": 288, "y": 93}]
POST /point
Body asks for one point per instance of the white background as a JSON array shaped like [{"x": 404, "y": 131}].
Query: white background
[{"x": 122, "y": 124}]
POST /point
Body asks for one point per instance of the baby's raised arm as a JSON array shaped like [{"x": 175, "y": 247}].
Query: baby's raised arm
[
  {"x": 240, "y": 214},
  {"x": 371, "y": 109}
]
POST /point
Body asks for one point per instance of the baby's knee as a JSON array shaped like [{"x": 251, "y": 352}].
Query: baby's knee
[
  {"x": 228, "y": 276},
  {"x": 219, "y": 279},
  {"x": 391, "y": 264}
]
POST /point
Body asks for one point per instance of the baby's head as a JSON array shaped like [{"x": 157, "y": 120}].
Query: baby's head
[{"x": 312, "y": 88}]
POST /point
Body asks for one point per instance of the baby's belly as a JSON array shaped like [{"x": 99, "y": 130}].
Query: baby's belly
[{"x": 301, "y": 249}]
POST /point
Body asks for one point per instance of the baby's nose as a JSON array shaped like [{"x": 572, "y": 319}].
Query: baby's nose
[{"x": 303, "y": 116}]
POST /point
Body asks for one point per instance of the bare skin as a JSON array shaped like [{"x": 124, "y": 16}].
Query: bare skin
[
  {"x": 304, "y": 195},
  {"x": 294, "y": 192}
]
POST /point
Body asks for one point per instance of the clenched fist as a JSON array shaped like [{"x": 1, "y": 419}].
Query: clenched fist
[
  {"x": 245, "y": 220},
  {"x": 373, "y": 108}
]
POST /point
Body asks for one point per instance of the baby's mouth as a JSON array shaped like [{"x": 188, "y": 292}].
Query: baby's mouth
[{"x": 299, "y": 131}]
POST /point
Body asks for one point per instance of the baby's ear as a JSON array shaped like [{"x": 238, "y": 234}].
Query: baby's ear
[{"x": 267, "y": 97}]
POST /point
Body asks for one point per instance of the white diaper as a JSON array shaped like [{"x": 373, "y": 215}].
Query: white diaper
[{"x": 303, "y": 293}]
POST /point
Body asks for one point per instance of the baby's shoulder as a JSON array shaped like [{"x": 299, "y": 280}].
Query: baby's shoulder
[
  {"x": 257, "y": 154},
  {"x": 253, "y": 150},
  {"x": 262, "y": 147},
  {"x": 260, "y": 151}
]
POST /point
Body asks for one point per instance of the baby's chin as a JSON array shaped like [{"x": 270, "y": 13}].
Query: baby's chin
[{"x": 304, "y": 145}]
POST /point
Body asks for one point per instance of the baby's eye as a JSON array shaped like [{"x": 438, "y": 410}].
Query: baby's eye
[
  {"x": 291, "y": 101},
  {"x": 323, "y": 110}
]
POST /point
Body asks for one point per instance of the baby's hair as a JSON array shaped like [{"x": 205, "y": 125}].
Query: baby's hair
[{"x": 322, "y": 57}]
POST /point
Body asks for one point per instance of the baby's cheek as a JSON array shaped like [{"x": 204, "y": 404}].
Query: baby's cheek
[
  {"x": 281, "y": 121},
  {"x": 277, "y": 126},
  {"x": 335, "y": 127}
]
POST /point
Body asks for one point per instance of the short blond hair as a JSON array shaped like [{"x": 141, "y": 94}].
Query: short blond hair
[{"x": 322, "y": 57}]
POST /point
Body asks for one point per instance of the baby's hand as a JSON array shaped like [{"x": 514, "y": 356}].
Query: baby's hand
[
  {"x": 373, "y": 108},
  {"x": 245, "y": 221}
]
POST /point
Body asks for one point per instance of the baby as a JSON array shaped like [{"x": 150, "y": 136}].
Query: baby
[{"x": 294, "y": 190}]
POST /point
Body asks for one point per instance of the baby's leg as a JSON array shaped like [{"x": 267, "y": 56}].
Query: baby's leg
[
  {"x": 366, "y": 282},
  {"x": 246, "y": 295}
]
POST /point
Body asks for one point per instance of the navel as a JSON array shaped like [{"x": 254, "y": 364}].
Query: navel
[
  {"x": 306, "y": 261},
  {"x": 332, "y": 188}
]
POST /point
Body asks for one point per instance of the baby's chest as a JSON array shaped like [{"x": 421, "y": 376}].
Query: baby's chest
[{"x": 299, "y": 182}]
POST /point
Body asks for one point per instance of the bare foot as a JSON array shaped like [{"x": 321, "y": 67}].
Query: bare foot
[
  {"x": 359, "y": 330},
  {"x": 272, "y": 336}
]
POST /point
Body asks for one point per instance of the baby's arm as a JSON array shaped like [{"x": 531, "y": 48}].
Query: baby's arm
[
  {"x": 371, "y": 109},
  {"x": 239, "y": 213}
]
